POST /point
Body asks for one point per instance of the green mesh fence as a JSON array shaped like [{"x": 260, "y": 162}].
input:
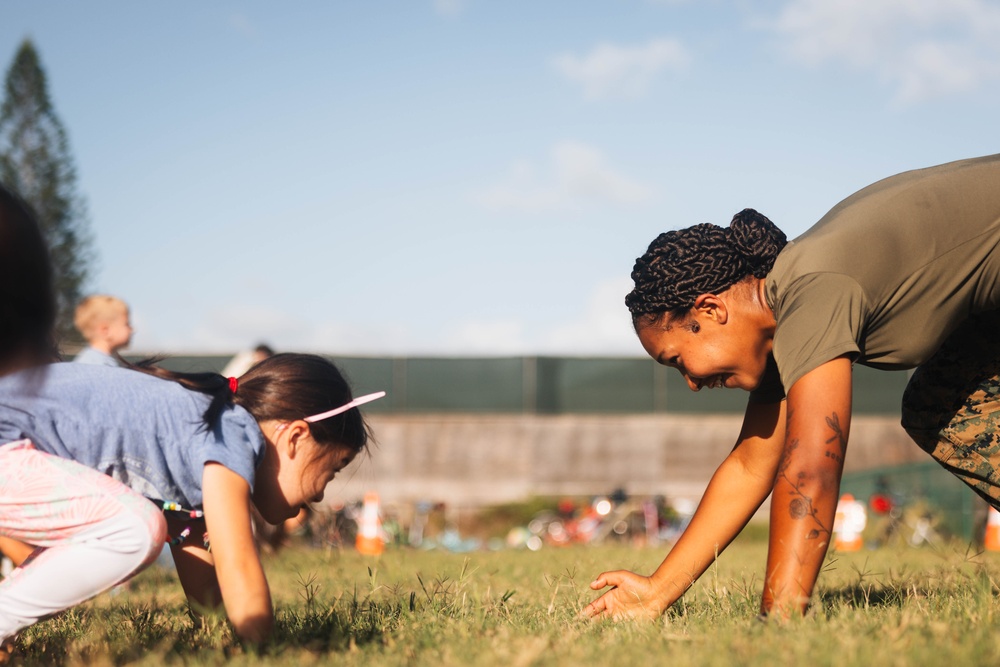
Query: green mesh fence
[{"x": 551, "y": 385}]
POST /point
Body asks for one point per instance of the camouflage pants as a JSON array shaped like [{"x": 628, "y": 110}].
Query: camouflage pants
[{"x": 951, "y": 406}]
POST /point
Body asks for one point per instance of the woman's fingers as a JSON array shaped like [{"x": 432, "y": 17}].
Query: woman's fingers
[
  {"x": 595, "y": 608},
  {"x": 605, "y": 579},
  {"x": 600, "y": 605}
]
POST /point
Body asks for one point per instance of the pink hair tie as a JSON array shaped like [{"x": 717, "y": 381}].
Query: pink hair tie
[
  {"x": 233, "y": 384},
  {"x": 361, "y": 400}
]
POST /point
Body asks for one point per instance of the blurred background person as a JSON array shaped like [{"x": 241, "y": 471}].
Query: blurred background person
[
  {"x": 246, "y": 359},
  {"x": 103, "y": 321}
]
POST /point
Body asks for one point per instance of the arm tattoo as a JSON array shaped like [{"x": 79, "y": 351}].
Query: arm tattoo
[
  {"x": 801, "y": 505},
  {"x": 838, "y": 439}
]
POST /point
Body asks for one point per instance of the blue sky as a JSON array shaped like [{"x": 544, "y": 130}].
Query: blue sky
[{"x": 469, "y": 177}]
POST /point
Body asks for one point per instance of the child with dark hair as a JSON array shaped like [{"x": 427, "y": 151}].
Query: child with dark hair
[
  {"x": 89, "y": 447},
  {"x": 27, "y": 311},
  {"x": 27, "y": 305},
  {"x": 903, "y": 274}
]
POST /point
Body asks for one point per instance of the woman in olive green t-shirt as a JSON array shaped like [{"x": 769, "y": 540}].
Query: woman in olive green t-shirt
[{"x": 905, "y": 273}]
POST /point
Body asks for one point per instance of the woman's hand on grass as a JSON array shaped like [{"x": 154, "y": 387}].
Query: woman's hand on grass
[{"x": 631, "y": 596}]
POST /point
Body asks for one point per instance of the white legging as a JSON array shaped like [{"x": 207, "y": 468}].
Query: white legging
[{"x": 91, "y": 531}]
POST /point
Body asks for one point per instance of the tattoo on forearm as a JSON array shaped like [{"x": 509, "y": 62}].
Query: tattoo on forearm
[
  {"x": 839, "y": 437},
  {"x": 801, "y": 505},
  {"x": 798, "y": 508}
]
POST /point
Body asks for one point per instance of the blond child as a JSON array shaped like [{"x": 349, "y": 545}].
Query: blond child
[{"x": 103, "y": 321}]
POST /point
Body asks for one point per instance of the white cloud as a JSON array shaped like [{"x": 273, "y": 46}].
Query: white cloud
[
  {"x": 602, "y": 328},
  {"x": 621, "y": 71},
  {"x": 449, "y": 7},
  {"x": 227, "y": 329},
  {"x": 497, "y": 337},
  {"x": 578, "y": 174},
  {"x": 605, "y": 327},
  {"x": 923, "y": 48}
]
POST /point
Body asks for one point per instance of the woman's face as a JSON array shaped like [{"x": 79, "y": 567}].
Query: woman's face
[
  {"x": 711, "y": 347},
  {"x": 296, "y": 471}
]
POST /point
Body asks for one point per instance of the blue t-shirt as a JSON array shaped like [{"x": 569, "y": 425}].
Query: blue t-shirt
[
  {"x": 90, "y": 355},
  {"x": 143, "y": 431}
]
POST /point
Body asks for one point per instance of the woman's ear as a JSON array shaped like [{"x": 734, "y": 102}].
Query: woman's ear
[{"x": 712, "y": 307}]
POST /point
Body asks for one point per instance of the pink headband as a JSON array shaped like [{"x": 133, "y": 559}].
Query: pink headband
[{"x": 361, "y": 400}]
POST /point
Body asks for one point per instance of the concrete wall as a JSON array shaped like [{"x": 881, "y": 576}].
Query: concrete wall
[{"x": 472, "y": 460}]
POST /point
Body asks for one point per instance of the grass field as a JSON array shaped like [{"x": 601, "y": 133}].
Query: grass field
[{"x": 884, "y": 607}]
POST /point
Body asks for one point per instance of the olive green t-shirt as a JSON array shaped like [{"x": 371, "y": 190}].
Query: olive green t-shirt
[{"x": 889, "y": 272}]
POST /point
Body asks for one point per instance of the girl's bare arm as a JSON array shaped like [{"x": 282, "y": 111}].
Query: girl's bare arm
[
  {"x": 196, "y": 570},
  {"x": 241, "y": 580}
]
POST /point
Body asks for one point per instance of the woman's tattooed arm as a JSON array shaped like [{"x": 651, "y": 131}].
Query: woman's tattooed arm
[{"x": 807, "y": 485}]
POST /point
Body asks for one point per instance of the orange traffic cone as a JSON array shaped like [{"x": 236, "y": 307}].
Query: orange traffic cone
[
  {"x": 369, "y": 542},
  {"x": 849, "y": 523},
  {"x": 991, "y": 541}
]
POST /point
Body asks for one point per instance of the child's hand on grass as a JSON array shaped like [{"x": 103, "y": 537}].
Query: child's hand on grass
[
  {"x": 631, "y": 596},
  {"x": 6, "y": 649}
]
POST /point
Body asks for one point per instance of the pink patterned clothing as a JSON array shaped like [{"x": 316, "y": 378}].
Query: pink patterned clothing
[{"x": 92, "y": 532}]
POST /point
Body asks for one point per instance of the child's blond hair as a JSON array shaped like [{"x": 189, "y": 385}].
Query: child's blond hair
[{"x": 95, "y": 310}]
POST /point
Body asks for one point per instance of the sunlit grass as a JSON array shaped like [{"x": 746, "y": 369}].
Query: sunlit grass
[{"x": 886, "y": 607}]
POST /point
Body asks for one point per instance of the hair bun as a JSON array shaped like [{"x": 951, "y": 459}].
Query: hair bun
[{"x": 755, "y": 238}]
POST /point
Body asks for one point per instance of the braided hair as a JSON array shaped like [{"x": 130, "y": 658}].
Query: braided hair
[{"x": 681, "y": 265}]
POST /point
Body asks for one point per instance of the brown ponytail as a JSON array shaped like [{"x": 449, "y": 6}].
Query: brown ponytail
[{"x": 284, "y": 387}]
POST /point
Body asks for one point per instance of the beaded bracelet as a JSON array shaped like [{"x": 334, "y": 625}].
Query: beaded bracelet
[{"x": 170, "y": 506}]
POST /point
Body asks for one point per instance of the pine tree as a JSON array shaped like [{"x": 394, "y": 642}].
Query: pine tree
[{"x": 35, "y": 162}]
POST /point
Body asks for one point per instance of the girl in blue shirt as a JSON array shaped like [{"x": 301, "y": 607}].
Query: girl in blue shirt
[
  {"x": 88, "y": 447},
  {"x": 85, "y": 449}
]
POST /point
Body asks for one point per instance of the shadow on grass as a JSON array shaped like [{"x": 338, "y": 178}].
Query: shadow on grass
[
  {"x": 331, "y": 629},
  {"x": 129, "y": 633},
  {"x": 861, "y": 596}
]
